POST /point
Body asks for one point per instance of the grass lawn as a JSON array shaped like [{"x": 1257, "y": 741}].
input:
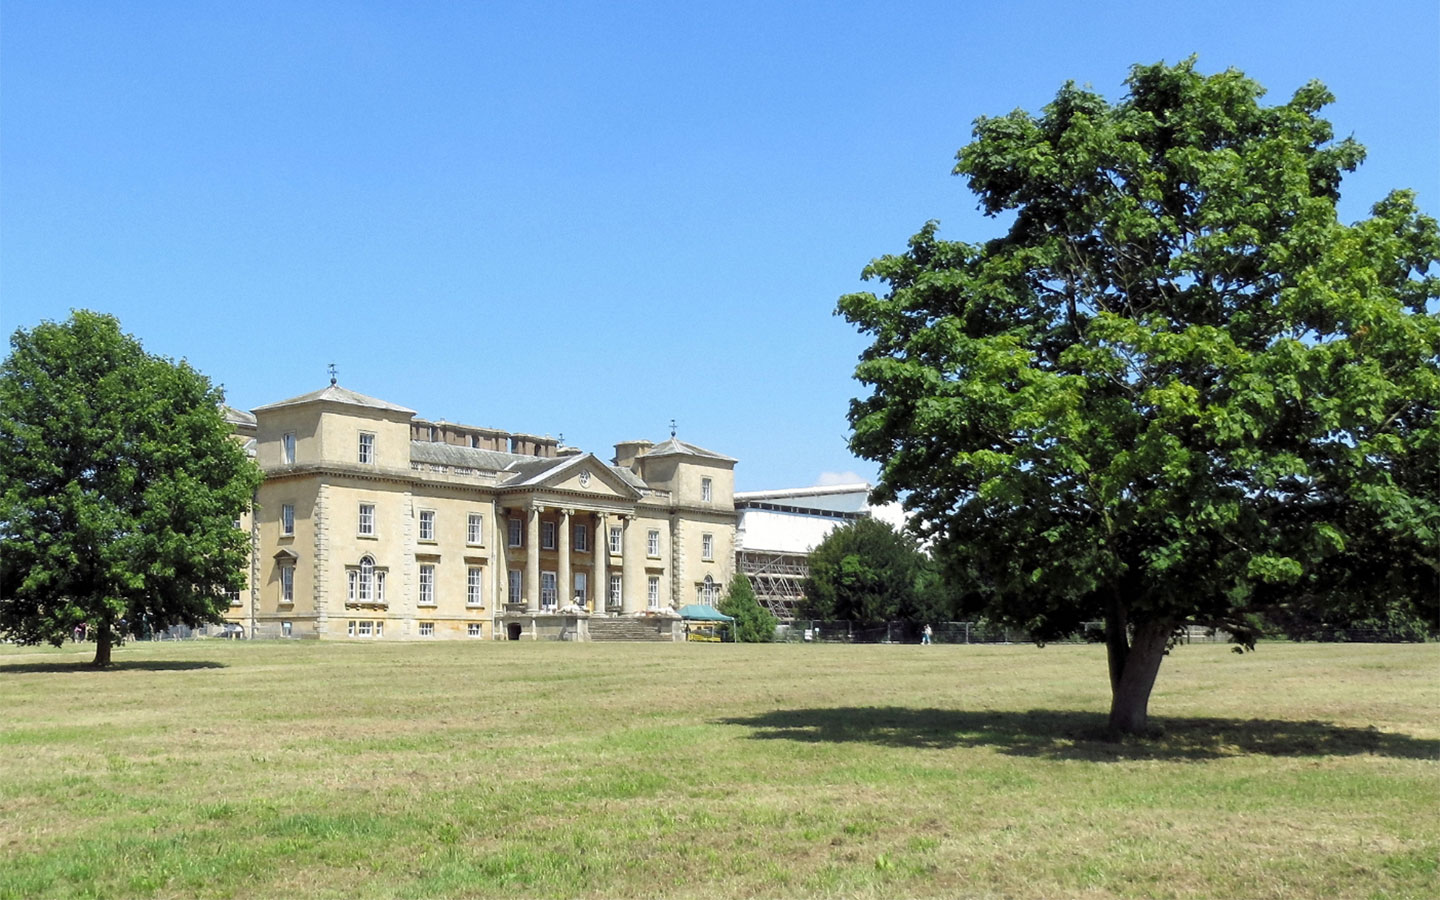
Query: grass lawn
[{"x": 280, "y": 769}]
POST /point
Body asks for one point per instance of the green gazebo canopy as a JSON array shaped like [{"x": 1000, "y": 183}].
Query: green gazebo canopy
[{"x": 698, "y": 613}]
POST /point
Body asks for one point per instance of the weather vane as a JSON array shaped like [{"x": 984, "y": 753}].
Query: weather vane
[
  {"x": 332, "y": 374},
  {"x": 672, "y": 428}
]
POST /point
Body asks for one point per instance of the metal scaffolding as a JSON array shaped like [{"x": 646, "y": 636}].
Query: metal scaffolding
[{"x": 778, "y": 580}]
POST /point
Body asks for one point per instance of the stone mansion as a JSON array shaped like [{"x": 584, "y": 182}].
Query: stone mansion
[{"x": 373, "y": 524}]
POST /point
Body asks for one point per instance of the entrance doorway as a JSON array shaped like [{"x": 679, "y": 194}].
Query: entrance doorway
[{"x": 513, "y": 631}]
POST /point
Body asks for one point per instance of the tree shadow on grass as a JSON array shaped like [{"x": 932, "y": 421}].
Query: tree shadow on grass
[
  {"x": 1066, "y": 734},
  {"x": 137, "y": 665}
]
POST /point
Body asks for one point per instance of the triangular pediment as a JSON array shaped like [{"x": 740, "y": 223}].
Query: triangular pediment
[{"x": 581, "y": 474}]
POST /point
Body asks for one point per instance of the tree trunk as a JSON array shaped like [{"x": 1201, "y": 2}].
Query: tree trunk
[
  {"x": 1130, "y": 692},
  {"x": 1117, "y": 640},
  {"x": 102, "y": 645}
]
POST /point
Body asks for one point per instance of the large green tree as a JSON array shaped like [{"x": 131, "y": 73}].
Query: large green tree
[
  {"x": 1177, "y": 390},
  {"x": 867, "y": 572},
  {"x": 120, "y": 485}
]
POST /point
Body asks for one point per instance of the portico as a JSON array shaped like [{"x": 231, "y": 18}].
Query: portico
[{"x": 569, "y": 565}]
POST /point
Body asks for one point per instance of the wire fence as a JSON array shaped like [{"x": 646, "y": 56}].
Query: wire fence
[
  {"x": 840, "y": 632},
  {"x": 174, "y": 633}
]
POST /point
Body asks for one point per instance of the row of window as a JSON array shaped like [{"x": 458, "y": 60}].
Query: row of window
[
  {"x": 550, "y": 530},
  {"x": 652, "y": 539},
  {"x": 474, "y": 525},
  {"x": 376, "y": 628},
  {"x": 365, "y": 583},
  {"x": 549, "y": 592},
  {"x": 366, "y": 454},
  {"x": 472, "y": 629},
  {"x": 475, "y": 532}
]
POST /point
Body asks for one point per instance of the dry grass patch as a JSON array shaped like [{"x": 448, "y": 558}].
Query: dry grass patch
[{"x": 268, "y": 769}]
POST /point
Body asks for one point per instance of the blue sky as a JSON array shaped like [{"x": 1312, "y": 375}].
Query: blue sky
[{"x": 584, "y": 219}]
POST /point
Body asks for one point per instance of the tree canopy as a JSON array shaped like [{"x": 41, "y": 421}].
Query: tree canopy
[
  {"x": 120, "y": 487},
  {"x": 753, "y": 623},
  {"x": 867, "y": 572},
  {"x": 1177, "y": 390}
]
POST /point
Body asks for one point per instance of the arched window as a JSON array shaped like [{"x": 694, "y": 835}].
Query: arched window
[
  {"x": 711, "y": 591},
  {"x": 367, "y": 578},
  {"x": 365, "y": 583}
]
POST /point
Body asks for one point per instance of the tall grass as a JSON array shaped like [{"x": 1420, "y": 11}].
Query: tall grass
[{"x": 269, "y": 769}]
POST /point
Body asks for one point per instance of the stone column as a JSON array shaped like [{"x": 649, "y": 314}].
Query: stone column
[
  {"x": 320, "y": 585},
  {"x": 564, "y": 589},
  {"x": 632, "y": 575},
  {"x": 678, "y": 588},
  {"x": 600, "y": 593},
  {"x": 532, "y": 559},
  {"x": 499, "y": 564}
]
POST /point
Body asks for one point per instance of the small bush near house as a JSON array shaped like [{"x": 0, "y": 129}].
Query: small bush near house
[{"x": 753, "y": 623}]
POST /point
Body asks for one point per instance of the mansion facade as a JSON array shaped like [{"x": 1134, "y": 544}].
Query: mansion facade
[{"x": 373, "y": 524}]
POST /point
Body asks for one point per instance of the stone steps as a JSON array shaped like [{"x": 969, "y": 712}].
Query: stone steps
[{"x": 628, "y": 629}]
